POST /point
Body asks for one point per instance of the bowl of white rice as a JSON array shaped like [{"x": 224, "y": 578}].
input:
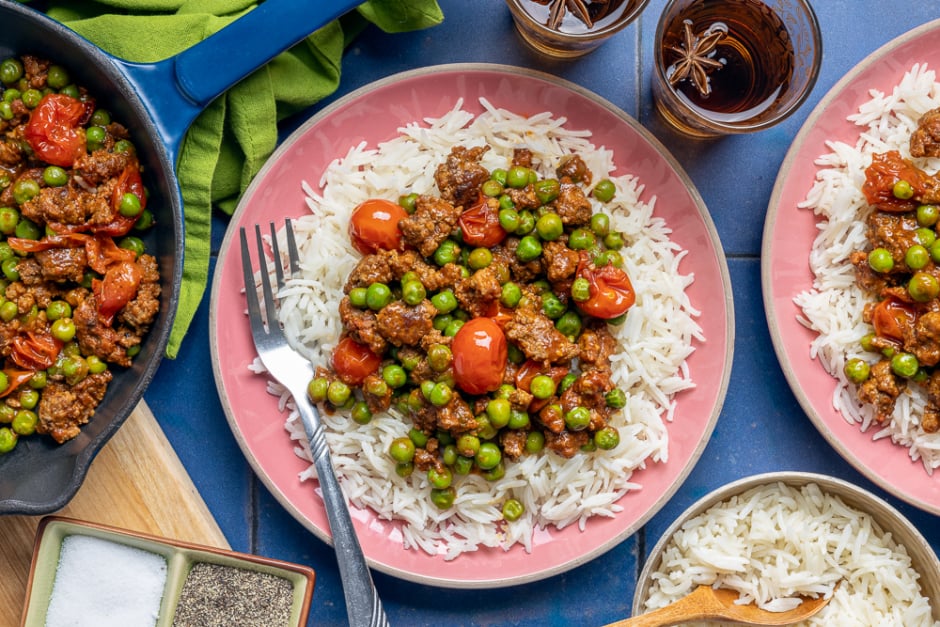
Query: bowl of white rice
[{"x": 776, "y": 536}]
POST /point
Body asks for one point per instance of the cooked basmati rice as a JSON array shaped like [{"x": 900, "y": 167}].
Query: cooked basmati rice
[
  {"x": 833, "y": 307},
  {"x": 659, "y": 331},
  {"x": 774, "y": 542}
]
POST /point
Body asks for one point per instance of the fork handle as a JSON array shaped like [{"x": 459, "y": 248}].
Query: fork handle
[{"x": 363, "y": 606}]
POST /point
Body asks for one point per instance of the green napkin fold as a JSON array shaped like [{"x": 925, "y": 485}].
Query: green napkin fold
[{"x": 233, "y": 137}]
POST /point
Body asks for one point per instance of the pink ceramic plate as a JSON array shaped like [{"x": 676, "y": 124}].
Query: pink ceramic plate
[
  {"x": 373, "y": 114},
  {"x": 788, "y": 239}
]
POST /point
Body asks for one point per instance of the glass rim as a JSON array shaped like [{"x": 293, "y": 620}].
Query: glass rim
[{"x": 625, "y": 20}]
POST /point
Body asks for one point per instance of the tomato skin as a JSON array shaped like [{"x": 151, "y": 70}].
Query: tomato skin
[
  {"x": 353, "y": 362},
  {"x": 531, "y": 369},
  {"x": 373, "y": 226},
  {"x": 891, "y": 318},
  {"x": 116, "y": 289},
  {"x": 100, "y": 251},
  {"x": 880, "y": 177},
  {"x": 54, "y": 129},
  {"x": 35, "y": 350},
  {"x": 128, "y": 182},
  {"x": 480, "y": 354},
  {"x": 611, "y": 292},
  {"x": 480, "y": 225},
  {"x": 16, "y": 378}
]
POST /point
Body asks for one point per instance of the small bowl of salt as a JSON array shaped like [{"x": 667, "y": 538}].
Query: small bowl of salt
[
  {"x": 88, "y": 574},
  {"x": 778, "y": 537}
]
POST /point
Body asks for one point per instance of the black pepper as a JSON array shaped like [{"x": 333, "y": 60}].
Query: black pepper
[{"x": 214, "y": 595}]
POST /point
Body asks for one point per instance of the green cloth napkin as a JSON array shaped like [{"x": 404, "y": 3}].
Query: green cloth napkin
[{"x": 229, "y": 141}]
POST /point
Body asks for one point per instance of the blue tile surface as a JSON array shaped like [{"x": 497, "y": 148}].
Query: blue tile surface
[{"x": 761, "y": 427}]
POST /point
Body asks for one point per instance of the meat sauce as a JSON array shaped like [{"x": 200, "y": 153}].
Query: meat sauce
[
  {"x": 483, "y": 317},
  {"x": 78, "y": 293}
]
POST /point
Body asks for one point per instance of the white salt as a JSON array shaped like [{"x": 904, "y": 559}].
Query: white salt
[{"x": 100, "y": 583}]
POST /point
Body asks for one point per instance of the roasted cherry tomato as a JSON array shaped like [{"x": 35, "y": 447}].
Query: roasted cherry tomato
[
  {"x": 611, "y": 293},
  {"x": 100, "y": 251},
  {"x": 885, "y": 170},
  {"x": 892, "y": 318},
  {"x": 35, "y": 350},
  {"x": 374, "y": 226},
  {"x": 116, "y": 289},
  {"x": 480, "y": 352},
  {"x": 531, "y": 369},
  {"x": 15, "y": 378},
  {"x": 353, "y": 362},
  {"x": 54, "y": 129},
  {"x": 480, "y": 225},
  {"x": 499, "y": 313}
]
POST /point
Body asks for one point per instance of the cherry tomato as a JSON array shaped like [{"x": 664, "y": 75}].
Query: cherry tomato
[
  {"x": 499, "y": 313},
  {"x": 100, "y": 251},
  {"x": 891, "y": 318},
  {"x": 480, "y": 353},
  {"x": 35, "y": 350},
  {"x": 15, "y": 378},
  {"x": 611, "y": 293},
  {"x": 116, "y": 289},
  {"x": 54, "y": 129},
  {"x": 531, "y": 369},
  {"x": 128, "y": 182},
  {"x": 374, "y": 226},
  {"x": 480, "y": 225},
  {"x": 353, "y": 362},
  {"x": 885, "y": 170}
]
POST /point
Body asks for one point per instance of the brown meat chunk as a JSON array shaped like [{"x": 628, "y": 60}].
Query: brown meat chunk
[
  {"x": 62, "y": 264},
  {"x": 573, "y": 169},
  {"x": 894, "y": 232},
  {"x": 405, "y": 325},
  {"x": 560, "y": 261},
  {"x": 460, "y": 176},
  {"x": 477, "y": 293},
  {"x": 362, "y": 326},
  {"x": 513, "y": 442},
  {"x": 63, "y": 409},
  {"x": 881, "y": 389},
  {"x": 101, "y": 165},
  {"x": 537, "y": 337},
  {"x": 925, "y": 140},
  {"x": 432, "y": 222},
  {"x": 370, "y": 269},
  {"x": 866, "y": 278},
  {"x": 456, "y": 417},
  {"x": 522, "y": 157},
  {"x": 140, "y": 311},
  {"x": 567, "y": 443},
  {"x": 572, "y": 205},
  {"x": 596, "y": 345}
]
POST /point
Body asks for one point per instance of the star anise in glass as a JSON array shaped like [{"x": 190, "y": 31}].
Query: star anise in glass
[
  {"x": 578, "y": 7},
  {"x": 695, "y": 57}
]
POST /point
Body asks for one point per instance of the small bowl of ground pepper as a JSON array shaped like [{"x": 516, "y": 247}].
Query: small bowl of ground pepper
[{"x": 85, "y": 573}]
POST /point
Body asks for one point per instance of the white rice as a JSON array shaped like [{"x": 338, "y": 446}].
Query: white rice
[
  {"x": 833, "y": 307},
  {"x": 659, "y": 332},
  {"x": 774, "y": 542}
]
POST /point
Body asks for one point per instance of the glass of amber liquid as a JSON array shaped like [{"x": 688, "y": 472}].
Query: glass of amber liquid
[{"x": 734, "y": 66}]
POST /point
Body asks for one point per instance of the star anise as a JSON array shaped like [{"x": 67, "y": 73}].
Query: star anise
[
  {"x": 577, "y": 7},
  {"x": 694, "y": 62}
]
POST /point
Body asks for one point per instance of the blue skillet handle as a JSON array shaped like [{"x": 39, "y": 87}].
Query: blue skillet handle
[{"x": 177, "y": 89}]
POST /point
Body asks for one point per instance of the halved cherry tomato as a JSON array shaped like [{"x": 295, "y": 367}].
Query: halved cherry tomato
[
  {"x": 35, "y": 350},
  {"x": 15, "y": 378},
  {"x": 373, "y": 226},
  {"x": 892, "y": 318},
  {"x": 116, "y": 289},
  {"x": 480, "y": 225},
  {"x": 611, "y": 292},
  {"x": 480, "y": 353},
  {"x": 54, "y": 129},
  {"x": 499, "y": 313},
  {"x": 885, "y": 170},
  {"x": 353, "y": 362}
]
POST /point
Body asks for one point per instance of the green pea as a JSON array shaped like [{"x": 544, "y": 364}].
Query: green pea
[
  {"x": 616, "y": 399},
  {"x": 509, "y": 219},
  {"x": 496, "y": 473},
  {"x": 513, "y": 510},
  {"x": 468, "y": 445},
  {"x": 134, "y": 244},
  {"x": 613, "y": 258},
  {"x": 130, "y": 206},
  {"x": 552, "y": 306},
  {"x": 904, "y": 365},
  {"x": 581, "y": 239},
  {"x": 547, "y": 190},
  {"x": 24, "y": 190},
  {"x": 600, "y": 224},
  {"x": 441, "y": 394},
  {"x": 63, "y": 329},
  {"x": 866, "y": 342},
  {"x": 24, "y": 423},
  {"x": 8, "y": 309},
  {"x": 485, "y": 429},
  {"x": 39, "y": 379},
  {"x": 578, "y": 418},
  {"x": 57, "y": 77},
  {"x": 378, "y": 295},
  {"x": 338, "y": 393},
  {"x": 4, "y": 382},
  {"x": 6, "y": 110},
  {"x": 413, "y": 292},
  {"x": 357, "y": 297},
  {"x": 569, "y": 324},
  {"x": 517, "y": 177},
  {"x": 11, "y": 70},
  {"x": 28, "y": 398},
  {"x": 394, "y": 376},
  {"x": 100, "y": 117},
  {"x": 360, "y": 413},
  {"x": 404, "y": 469},
  {"x": 880, "y": 260},
  {"x": 518, "y": 419},
  {"x": 491, "y": 188},
  {"x": 923, "y": 287},
  {"x": 499, "y": 175},
  {"x": 440, "y": 478},
  {"x": 420, "y": 438},
  {"x": 317, "y": 389},
  {"x": 443, "y": 498},
  {"x": 526, "y": 223},
  {"x": 498, "y": 411},
  {"x": 9, "y": 269},
  {"x": 916, "y": 257},
  {"x": 7, "y": 440},
  {"x": 534, "y": 442},
  {"x": 511, "y": 294},
  {"x": 463, "y": 465},
  {"x": 451, "y": 329},
  {"x": 934, "y": 251},
  {"x": 614, "y": 240},
  {"x": 408, "y": 202},
  {"x": 857, "y": 370},
  {"x": 446, "y": 253},
  {"x": 54, "y": 176},
  {"x": 528, "y": 249},
  {"x": 607, "y": 438},
  {"x": 927, "y": 215},
  {"x": 489, "y": 456},
  {"x": 566, "y": 382},
  {"x": 902, "y": 190},
  {"x": 542, "y": 386},
  {"x": 123, "y": 146},
  {"x": 549, "y": 226},
  {"x": 31, "y": 98},
  {"x": 449, "y": 455},
  {"x": 926, "y": 236},
  {"x": 439, "y": 357},
  {"x": 444, "y": 301},
  {"x": 11, "y": 94},
  {"x": 75, "y": 369},
  {"x": 9, "y": 217},
  {"x": 144, "y": 220},
  {"x": 480, "y": 258},
  {"x": 581, "y": 289},
  {"x": 7, "y": 413},
  {"x": 604, "y": 190},
  {"x": 95, "y": 364}
]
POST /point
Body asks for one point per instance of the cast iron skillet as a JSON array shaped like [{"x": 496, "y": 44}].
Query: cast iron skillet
[{"x": 157, "y": 102}]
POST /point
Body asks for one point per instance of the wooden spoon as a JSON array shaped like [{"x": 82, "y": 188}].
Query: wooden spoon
[{"x": 707, "y": 603}]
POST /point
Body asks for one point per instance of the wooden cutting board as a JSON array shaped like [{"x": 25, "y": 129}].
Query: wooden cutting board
[{"x": 136, "y": 482}]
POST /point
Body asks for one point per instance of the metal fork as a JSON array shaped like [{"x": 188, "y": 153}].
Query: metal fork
[{"x": 293, "y": 371}]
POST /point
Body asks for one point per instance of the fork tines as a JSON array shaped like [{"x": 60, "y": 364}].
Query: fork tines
[{"x": 268, "y": 294}]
